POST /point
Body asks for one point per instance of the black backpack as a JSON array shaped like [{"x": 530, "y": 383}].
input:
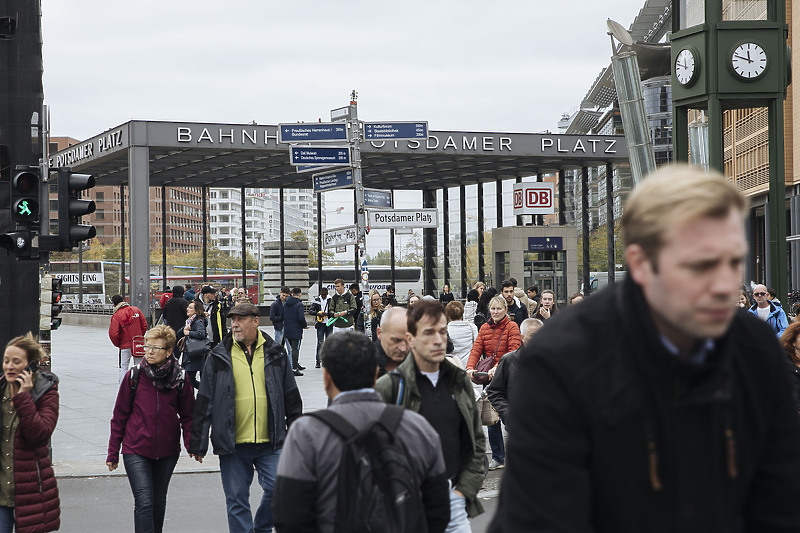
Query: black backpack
[{"x": 377, "y": 487}]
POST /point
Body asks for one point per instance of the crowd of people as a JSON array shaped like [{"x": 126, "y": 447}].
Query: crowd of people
[{"x": 652, "y": 406}]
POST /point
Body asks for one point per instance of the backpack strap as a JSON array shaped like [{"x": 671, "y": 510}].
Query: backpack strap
[
  {"x": 134, "y": 382},
  {"x": 390, "y": 418},
  {"x": 398, "y": 387},
  {"x": 336, "y": 422}
]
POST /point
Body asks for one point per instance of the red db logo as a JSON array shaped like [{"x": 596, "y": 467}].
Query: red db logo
[
  {"x": 537, "y": 198},
  {"x": 518, "y": 199}
]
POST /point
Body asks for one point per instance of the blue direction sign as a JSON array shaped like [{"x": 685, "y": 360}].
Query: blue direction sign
[
  {"x": 545, "y": 243},
  {"x": 319, "y": 155},
  {"x": 395, "y": 131},
  {"x": 377, "y": 198},
  {"x": 333, "y": 180},
  {"x": 312, "y": 132}
]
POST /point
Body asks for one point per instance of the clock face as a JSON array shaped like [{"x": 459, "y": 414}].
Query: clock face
[
  {"x": 749, "y": 61},
  {"x": 685, "y": 66}
]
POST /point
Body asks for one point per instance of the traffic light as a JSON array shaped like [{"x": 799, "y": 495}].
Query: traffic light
[
  {"x": 71, "y": 208},
  {"x": 25, "y": 195},
  {"x": 19, "y": 243},
  {"x": 50, "y": 303}
]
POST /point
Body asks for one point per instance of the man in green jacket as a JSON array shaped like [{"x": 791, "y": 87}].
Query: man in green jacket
[
  {"x": 443, "y": 395},
  {"x": 343, "y": 306}
]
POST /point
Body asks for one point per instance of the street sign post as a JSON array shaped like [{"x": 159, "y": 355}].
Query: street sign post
[
  {"x": 334, "y": 238},
  {"x": 320, "y": 155},
  {"x": 378, "y": 199},
  {"x": 328, "y": 181},
  {"x": 395, "y": 131},
  {"x": 404, "y": 218},
  {"x": 312, "y": 132}
]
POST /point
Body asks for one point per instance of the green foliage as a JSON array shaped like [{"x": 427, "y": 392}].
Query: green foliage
[{"x": 598, "y": 250}]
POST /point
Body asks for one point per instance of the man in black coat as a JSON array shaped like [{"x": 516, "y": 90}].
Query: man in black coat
[
  {"x": 175, "y": 310},
  {"x": 654, "y": 406}
]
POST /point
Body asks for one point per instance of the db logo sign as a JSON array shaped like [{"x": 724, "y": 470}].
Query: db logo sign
[
  {"x": 533, "y": 199},
  {"x": 518, "y": 200},
  {"x": 541, "y": 198}
]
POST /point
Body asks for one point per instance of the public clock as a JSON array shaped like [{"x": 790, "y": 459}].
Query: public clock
[
  {"x": 687, "y": 64},
  {"x": 748, "y": 61}
]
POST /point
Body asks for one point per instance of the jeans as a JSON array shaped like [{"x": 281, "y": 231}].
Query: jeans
[
  {"x": 278, "y": 336},
  {"x": 236, "y": 471},
  {"x": 125, "y": 360},
  {"x": 323, "y": 332},
  {"x": 149, "y": 480},
  {"x": 459, "y": 523},
  {"x": 294, "y": 351},
  {"x": 6, "y": 519},
  {"x": 496, "y": 442}
]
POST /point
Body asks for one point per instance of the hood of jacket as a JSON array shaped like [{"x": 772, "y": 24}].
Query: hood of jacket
[{"x": 292, "y": 302}]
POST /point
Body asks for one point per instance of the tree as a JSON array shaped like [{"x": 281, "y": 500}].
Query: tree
[{"x": 598, "y": 250}]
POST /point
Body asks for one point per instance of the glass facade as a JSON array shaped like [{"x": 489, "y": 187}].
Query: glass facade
[
  {"x": 657, "y": 94},
  {"x": 744, "y": 9},
  {"x": 692, "y": 13}
]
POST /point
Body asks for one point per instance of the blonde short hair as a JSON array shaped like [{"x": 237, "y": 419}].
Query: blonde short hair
[
  {"x": 499, "y": 300},
  {"x": 163, "y": 332},
  {"x": 673, "y": 194},
  {"x": 28, "y": 344}
]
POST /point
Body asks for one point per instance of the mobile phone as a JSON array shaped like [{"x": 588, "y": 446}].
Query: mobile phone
[
  {"x": 32, "y": 366},
  {"x": 481, "y": 374}
]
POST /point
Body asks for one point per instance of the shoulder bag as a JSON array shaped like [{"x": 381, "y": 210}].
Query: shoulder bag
[{"x": 486, "y": 364}]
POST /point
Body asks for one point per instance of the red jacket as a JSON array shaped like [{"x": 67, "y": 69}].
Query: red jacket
[
  {"x": 151, "y": 425},
  {"x": 489, "y": 341},
  {"x": 163, "y": 300},
  {"x": 126, "y": 322},
  {"x": 36, "y": 501}
]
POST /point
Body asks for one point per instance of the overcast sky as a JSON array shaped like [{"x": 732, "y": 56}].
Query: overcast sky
[{"x": 507, "y": 65}]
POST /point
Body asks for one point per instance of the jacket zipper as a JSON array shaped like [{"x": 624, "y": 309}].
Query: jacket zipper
[
  {"x": 255, "y": 402},
  {"x": 158, "y": 411},
  {"x": 39, "y": 475}
]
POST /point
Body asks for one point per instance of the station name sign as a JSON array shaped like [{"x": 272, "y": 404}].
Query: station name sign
[
  {"x": 403, "y": 218},
  {"x": 95, "y": 147}
]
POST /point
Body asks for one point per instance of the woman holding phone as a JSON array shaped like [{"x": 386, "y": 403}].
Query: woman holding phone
[{"x": 28, "y": 492}]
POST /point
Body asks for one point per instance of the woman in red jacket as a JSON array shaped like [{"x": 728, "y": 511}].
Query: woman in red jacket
[
  {"x": 28, "y": 492},
  {"x": 153, "y": 405},
  {"x": 498, "y": 336}
]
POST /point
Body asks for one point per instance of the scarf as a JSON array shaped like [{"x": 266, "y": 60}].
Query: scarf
[{"x": 164, "y": 377}]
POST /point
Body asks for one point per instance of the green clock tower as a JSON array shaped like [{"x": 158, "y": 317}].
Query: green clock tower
[{"x": 732, "y": 54}]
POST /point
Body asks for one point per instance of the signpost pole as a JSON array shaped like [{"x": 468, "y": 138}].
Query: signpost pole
[{"x": 361, "y": 220}]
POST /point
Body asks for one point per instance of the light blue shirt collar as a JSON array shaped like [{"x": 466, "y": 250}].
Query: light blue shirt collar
[{"x": 699, "y": 352}]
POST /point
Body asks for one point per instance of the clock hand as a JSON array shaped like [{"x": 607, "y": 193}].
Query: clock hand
[{"x": 745, "y": 58}]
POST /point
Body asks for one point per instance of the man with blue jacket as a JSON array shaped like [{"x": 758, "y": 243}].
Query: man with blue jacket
[
  {"x": 249, "y": 397},
  {"x": 767, "y": 311},
  {"x": 276, "y": 314},
  {"x": 294, "y": 322}
]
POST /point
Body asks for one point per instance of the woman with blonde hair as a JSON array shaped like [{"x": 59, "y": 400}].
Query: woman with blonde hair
[
  {"x": 29, "y": 500},
  {"x": 153, "y": 406}
]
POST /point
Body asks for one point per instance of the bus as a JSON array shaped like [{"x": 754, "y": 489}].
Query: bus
[
  {"x": 94, "y": 284},
  {"x": 380, "y": 277},
  {"x": 218, "y": 281}
]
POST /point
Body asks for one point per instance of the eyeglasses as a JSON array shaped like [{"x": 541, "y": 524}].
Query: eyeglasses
[
  {"x": 154, "y": 348},
  {"x": 759, "y": 294}
]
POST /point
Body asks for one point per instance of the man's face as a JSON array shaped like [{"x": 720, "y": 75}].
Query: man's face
[
  {"x": 761, "y": 295},
  {"x": 393, "y": 337},
  {"x": 284, "y": 295},
  {"x": 531, "y": 295},
  {"x": 208, "y": 297},
  {"x": 546, "y": 300},
  {"x": 244, "y": 328},
  {"x": 339, "y": 288},
  {"x": 508, "y": 294},
  {"x": 323, "y": 293},
  {"x": 692, "y": 295},
  {"x": 430, "y": 343},
  {"x": 354, "y": 291}
]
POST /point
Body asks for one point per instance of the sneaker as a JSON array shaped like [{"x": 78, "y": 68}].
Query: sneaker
[
  {"x": 298, "y": 373},
  {"x": 300, "y": 367},
  {"x": 494, "y": 465}
]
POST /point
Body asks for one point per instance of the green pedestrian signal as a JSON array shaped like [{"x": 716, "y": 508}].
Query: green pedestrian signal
[{"x": 25, "y": 195}]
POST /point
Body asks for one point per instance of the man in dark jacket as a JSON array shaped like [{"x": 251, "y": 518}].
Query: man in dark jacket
[
  {"x": 392, "y": 345},
  {"x": 358, "y": 318},
  {"x": 276, "y": 314},
  {"x": 248, "y": 370},
  {"x": 500, "y": 387},
  {"x": 217, "y": 317},
  {"x": 516, "y": 312},
  {"x": 655, "y": 406},
  {"x": 294, "y": 322},
  {"x": 175, "y": 310},
  {"x": 306, "y": 496}
]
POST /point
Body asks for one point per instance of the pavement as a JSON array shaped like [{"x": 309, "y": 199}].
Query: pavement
[{"x": 87, "y": 364}]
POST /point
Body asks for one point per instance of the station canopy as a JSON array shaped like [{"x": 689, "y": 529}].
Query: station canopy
[{"x": 183, "y": 154}]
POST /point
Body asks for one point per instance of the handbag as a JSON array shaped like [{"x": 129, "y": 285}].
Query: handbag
[
  {"x": 486, "y": 364},
  {"x": 489, "y": 416},
  {"x": 196, "y": 348}
]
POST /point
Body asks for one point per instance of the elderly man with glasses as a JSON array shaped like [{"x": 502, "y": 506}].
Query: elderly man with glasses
[{"x": 767, "y": 311}]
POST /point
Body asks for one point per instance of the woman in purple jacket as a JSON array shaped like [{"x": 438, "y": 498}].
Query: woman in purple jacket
[{"x": 152, "y": 406}]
